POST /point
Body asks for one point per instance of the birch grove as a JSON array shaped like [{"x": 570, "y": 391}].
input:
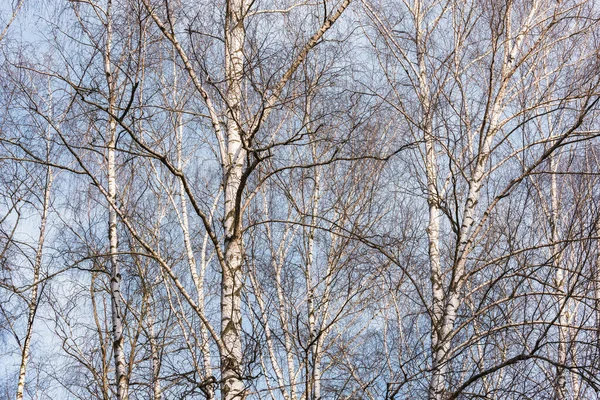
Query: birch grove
[{"x": 295, "y": 200}]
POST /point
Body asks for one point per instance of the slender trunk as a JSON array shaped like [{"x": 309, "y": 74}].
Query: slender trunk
[
  {"x": 324, "y": 315},
  {"x": 559, "y": 281},
  {"x": 231, "y": 284},
  {"x": 571, "y": 337},
  {"x": 33, "y": 300},
  {"x": 269, "y": 337},
  {"x": 196, "y": 272},
  {"x": 103, "y": 349},
  {"x": 438, "y": 332},
  {"x": 438, "y": 349},
  {"x": 197, "y": 278},
  {"x": 13, "y": 15},
  {"x": 445, "y": 318},
  {"x": 596, "y": 270},
  {"x": 283, "y": 317},
  {"x": 115, "y": 274},
  {"x": 596, "y": 283},
  {"x": 312, "y": 375},
  {"x": 156, "y": 388},
  {"x": 115, "y": 279}
]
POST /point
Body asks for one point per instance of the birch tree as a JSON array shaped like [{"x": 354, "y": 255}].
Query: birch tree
[
  {"x": 468, "y": 129},
  {"x": 300, "y": 200},
  {"x": 236, "y": 129},
  {"x": 26, "y": 199}
]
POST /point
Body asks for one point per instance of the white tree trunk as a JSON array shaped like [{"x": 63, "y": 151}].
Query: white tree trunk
[
  {"x": 115, "y": 274},
  {"x": 231, "y": 284},
  {"x": 33, "y": 299},
  {"x": 559, "y": 281},
  {"x": 465, "y": 238},
  {"x": 115, "y": 278},
  {"x": 283, "y": 317},
  {"x": 154, "y": 351},
  {"x": 197, "y": 278},
  {"x": 438, "y": 347},
  {"x": 313, "y": 378}
]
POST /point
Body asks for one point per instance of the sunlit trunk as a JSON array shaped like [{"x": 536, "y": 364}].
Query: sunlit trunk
[
  {"x": 559, "y": 281},
  {"x": 33, "y": 299},
  {"x": 115, "y": 273},
  {"x": 231, "y": 284}
]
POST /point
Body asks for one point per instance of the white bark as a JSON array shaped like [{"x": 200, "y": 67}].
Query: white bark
[
  {"x": 269, "y": 337},
  {"x": 154, "y": 351},
  {"x": 198, "y": 279},
  {"x": 438, "y": 331},
  {"x": 597, "y": 279},
  {"x": 313, "y": 378},
  {"x": 105, "y": 362},
  {"x": 479, "y": 173},
  {"x": 284, "y": 320},
  {"x": 231, "y": 283},
  {"x": 13, "y": 15},
  {"x": 33, "y": 299},
  {"x": 115, "y": 274},
  {"x": 559, "y": 281}
]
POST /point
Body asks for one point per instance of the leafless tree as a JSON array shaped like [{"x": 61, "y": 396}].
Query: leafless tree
[
  {"x": 300, "y": 200},
  {"x": 491, "y": 93}
]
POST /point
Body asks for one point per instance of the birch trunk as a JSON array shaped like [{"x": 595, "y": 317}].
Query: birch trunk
[
  {"x": 115, "y": 274},
  {"x": 433, "y": 234},
  {"x": 231, "y": 284},
  {"x": 33, "y": 300},
  {"x": 597, "y": 281},
  {"x": 313, "y": 379},
  {"x": 198, "y": 279},
  {"x": 559, "y": 281},
  {"x": 465, "y": 237},
  {"x": 436, "y": 386},
  {"x": 283, "y": 317},
  {"x": 104, "y": 353},
  {"x": 154, "y": 351},
  {"x": 313, "y": 387},
  {"x": 115, "y": 278}
]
